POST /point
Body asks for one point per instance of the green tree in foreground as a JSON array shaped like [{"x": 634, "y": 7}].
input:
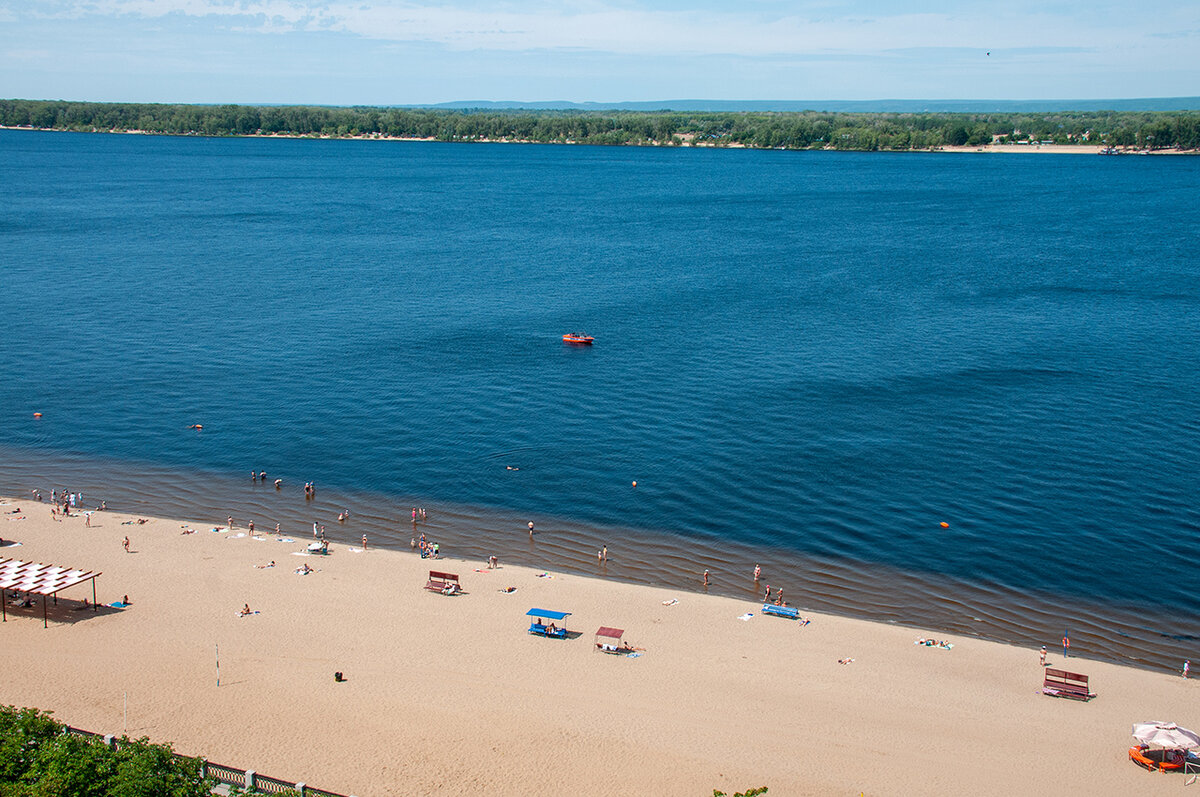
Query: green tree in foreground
[{"x": 37, "y": 759}]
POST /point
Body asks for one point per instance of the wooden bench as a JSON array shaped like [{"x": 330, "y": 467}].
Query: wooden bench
[
  {"x": 443, "y": 582},
  {"x": 1060, "y": 683}
]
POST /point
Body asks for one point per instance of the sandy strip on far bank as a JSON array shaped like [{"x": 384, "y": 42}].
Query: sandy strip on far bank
[{"x": 450, "y": 695}]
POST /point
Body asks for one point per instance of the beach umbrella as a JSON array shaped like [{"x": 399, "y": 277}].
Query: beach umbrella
[{"x": 1167, "y": 736}]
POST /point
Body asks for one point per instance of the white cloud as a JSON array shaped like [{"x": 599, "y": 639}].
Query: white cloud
[{"x": 771, "y": 29}]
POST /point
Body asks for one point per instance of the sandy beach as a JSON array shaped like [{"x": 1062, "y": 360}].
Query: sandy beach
[{"x": 451, "y": 695}]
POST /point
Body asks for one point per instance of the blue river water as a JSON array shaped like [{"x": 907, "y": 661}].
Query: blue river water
[{"x": 800, "y": 357}]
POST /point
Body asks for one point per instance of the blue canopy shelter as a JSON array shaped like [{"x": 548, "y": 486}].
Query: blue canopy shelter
[{"x": 540, "y": 627}]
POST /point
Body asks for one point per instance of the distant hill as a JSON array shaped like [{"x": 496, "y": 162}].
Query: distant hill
[{"x": 844, "y": 106}]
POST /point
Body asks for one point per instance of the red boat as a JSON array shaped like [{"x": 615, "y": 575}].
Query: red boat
[{"x": 578, "y": 339}]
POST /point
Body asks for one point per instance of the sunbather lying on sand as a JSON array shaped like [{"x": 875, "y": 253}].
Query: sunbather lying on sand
[{"x": 845, "y": 661}]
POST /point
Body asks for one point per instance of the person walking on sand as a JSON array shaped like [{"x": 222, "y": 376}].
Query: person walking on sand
[
  {"x": 364, "y": 542},
  {"x": 1187, "y": 668},
  {"x": 229, "y": 520},
  {"x": 127, "y": 545},
  {"x": 276, "y": 528},
  {"x": 1043, "y": 655},
  {"x": 251, "y": 526},
  {"x": 87, "y": 520}
]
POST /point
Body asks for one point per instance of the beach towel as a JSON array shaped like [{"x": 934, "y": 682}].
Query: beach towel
[
  {"x": 118, "y": 605},
  {"x": 355, "y": 550},
  {"x": 746, "y": 616},
  {"x": 259, "y": 539},
  {"x": 544, "y": 575},
  {"x": 239, "y": 614},
  {"x": 18, "y": 517},
  {"x": 285, "y": 539},
  {"x": 632, "y": 655},
  {"x": 235, "y": 536}
]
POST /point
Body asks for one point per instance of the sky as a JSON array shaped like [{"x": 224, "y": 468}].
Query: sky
[{"x": 393, "y": 52}]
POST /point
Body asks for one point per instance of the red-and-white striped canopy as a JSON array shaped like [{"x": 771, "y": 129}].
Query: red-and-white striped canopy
[{"x": 40, "y": 579}]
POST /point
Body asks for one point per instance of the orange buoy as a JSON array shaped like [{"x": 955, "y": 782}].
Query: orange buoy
[
  {"x": 37, "y": 415},
  {"x": 635, "y": 484},
  {"x": 945, "y": 525}
]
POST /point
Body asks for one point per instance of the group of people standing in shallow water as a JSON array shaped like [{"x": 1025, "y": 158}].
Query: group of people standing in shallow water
[
  {"x": 767, "y": 598},
  {"x": 261, "y": 476},
  {"x": 62, "y": 502}
]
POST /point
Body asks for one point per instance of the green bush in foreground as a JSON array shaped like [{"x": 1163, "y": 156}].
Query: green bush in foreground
[
  {"x": 746, "y": 793},
  {"x": 37, "y": 759}
]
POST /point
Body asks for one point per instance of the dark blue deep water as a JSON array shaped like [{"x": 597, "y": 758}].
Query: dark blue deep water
[{"x": 810, "y": 359}]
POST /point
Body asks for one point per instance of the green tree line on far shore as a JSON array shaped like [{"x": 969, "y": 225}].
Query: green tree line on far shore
[{"x": 782, "y": 130}]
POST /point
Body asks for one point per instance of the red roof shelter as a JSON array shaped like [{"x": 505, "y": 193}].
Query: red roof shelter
[
  {"x": 608, "y": 640},
  {"x": 40, "y": 579}
]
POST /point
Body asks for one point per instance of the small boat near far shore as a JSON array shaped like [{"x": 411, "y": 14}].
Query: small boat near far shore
[{"x": 578, "y": 339}]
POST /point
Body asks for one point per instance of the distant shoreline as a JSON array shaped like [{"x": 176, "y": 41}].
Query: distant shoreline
[{"x": 683, "y": 143}]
